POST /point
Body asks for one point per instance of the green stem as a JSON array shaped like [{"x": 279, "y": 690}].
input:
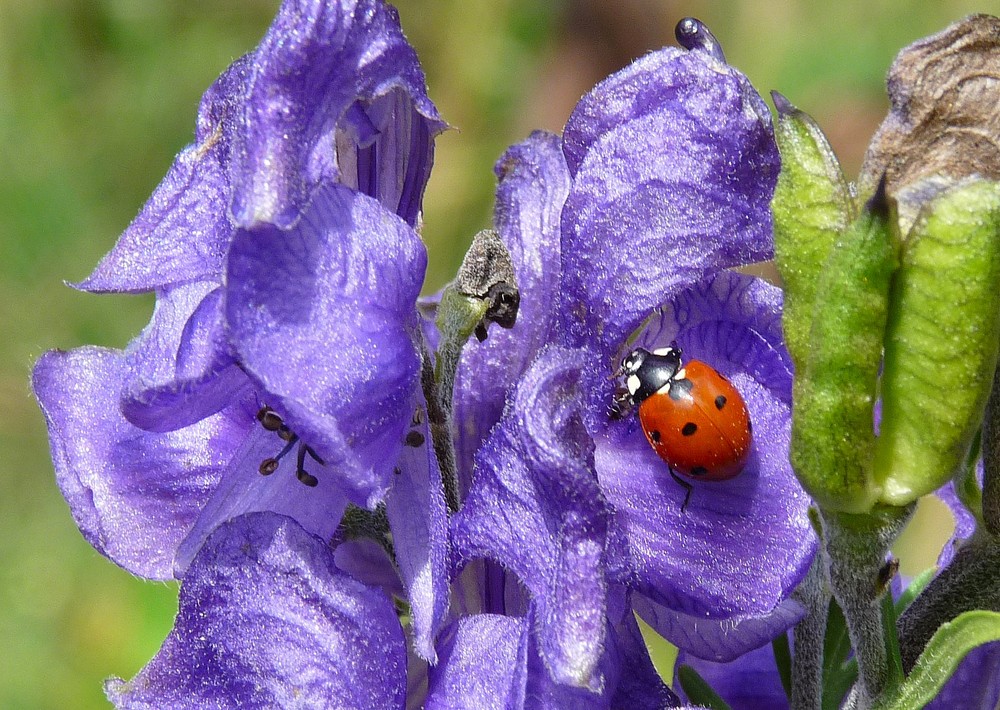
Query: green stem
[
  {"x": 484, "y": 292},
  {"x": 809, "y": 635},
  {"x": 855, "y": 554},
  {"x": 990, "y": 504},
  {"x": 439, "y": 422}
]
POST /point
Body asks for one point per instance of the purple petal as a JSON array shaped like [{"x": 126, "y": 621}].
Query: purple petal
[
  {"x": 637, "y": 684},
  {"x": 368, "y": 562},
  {"x": 267, "y": 620},
  {"x": 741, "y": 545},
  {"x": 965, "y": 522},
  {"x": 530, "y": 196},
  {"x": 320, "y": 64},
  {"x": 975, "y": 683},
  {"x": 718, "y": 640},
  {"x": 183, "y": 231},
  {"x": 182, "y": 366},
  {"x": 481, "y": 665},
  {"x": 668, "y": 76},
  {"x": 493, "y": 661},
  {"x": 418, "y": 518},
  {"x": 747, "y": 683},
  {"x": 535, "y": 508},
  {"x": 676, "y": 170},
  {"x": 133, "y": 494},
  {"x": 243, "y": 489},
  {"x": 321, "y": 317}
]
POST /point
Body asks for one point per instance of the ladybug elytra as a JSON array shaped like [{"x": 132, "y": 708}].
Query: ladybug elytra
[{"x": 692, "y": 416}]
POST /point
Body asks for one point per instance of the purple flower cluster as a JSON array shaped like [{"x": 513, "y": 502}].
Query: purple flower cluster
[{"x": 276, "y": 393}]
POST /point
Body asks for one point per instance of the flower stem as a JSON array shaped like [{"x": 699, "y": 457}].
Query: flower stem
[
  {"x": 439, "y": 417},
  {"x": 484, "y": 292},
  {"x": 856, "y": 548},
  {"x": 989, "y": 513},
  {"x": 809, "y": 636}
]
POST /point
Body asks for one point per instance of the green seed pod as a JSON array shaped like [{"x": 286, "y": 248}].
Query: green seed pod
[
  {"x": 941, "y": 341},
  {"x": 833, "y": 440},
  {"x": 812, "y": 207}
]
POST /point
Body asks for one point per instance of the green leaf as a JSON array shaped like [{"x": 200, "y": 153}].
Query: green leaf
[
  {"x": 967, "y": 487},
  {"x": 833, "y": 441},
  {"x": 812, "y": 206},
  {"x": 839, "y": 673},
  {"x": 783, "y": 659},
  {"x": 699, "y": 692},
  {"x": 893, "y": 658},
  {"x": 949, "y": 645},
  {"x": 941, "y": 341},
  {"x": 918, "y": 585}
]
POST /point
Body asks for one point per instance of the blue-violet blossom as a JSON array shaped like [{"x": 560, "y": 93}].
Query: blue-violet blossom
[
  {"x": 627, "y": 223},
  {"x": 278, "y": 380},
  {"x": 282, "y": 250}
]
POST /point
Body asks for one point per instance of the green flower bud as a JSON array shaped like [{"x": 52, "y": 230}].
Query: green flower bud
[
  {"x": 833, "y": 439},
  {"x": 941, "y": 341},
  {"x": 812, "y": 207},
  {"x": 836, "y": 268}
]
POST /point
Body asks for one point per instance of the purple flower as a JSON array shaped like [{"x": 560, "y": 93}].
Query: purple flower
[
  {"x": 267, "y": 619},
  {"x": 280, "y": 370},
  {"x": 277, "y": 383},
  {"x": 661, "y": 181},
  {"x": 492, "y": 661}
]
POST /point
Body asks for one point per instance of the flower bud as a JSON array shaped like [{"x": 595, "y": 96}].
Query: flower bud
[
  {"x": 812, "y": 207},
  {"x": 941, "y": 340}
]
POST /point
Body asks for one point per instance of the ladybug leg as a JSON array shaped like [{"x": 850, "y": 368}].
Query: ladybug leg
[
  {"x": 683, "y": 484},
  {"x": 621, "y": 404}
]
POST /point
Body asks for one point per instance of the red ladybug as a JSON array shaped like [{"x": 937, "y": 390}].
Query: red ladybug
[{"x": 692, "y": 416}]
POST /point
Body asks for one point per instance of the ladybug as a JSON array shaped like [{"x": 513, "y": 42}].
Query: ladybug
[{"x": 691, "y": 415}]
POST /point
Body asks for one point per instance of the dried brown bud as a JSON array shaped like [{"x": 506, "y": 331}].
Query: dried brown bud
[{"x": 944, "y": 124}]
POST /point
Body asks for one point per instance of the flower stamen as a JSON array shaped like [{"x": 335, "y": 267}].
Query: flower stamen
[{"x": 272, "y": 421}]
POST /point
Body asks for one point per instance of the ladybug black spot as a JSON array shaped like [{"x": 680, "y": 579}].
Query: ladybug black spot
[
  {"x": 699, "y": 471},
  {"x": 689, "y": 429},
  {"x": 720, "y": 402},
  {"x": 655, "y": 436}
]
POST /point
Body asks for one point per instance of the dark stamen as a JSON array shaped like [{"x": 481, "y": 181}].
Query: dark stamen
[
  {"x": 300, "y": 470},
  {"x": 314, "y": 457},
  {"x": 268, "y": 466},
  {"x": 269, "y": 419},
  {"x": 272, "y": 421}
]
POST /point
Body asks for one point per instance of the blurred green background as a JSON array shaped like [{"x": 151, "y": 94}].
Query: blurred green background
[{"x": 96, "y": 97}]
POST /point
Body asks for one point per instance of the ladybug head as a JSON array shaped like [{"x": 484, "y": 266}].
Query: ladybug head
[
  {"x": 646, "y": 372},
  {"x": 632, "y": 362}
]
